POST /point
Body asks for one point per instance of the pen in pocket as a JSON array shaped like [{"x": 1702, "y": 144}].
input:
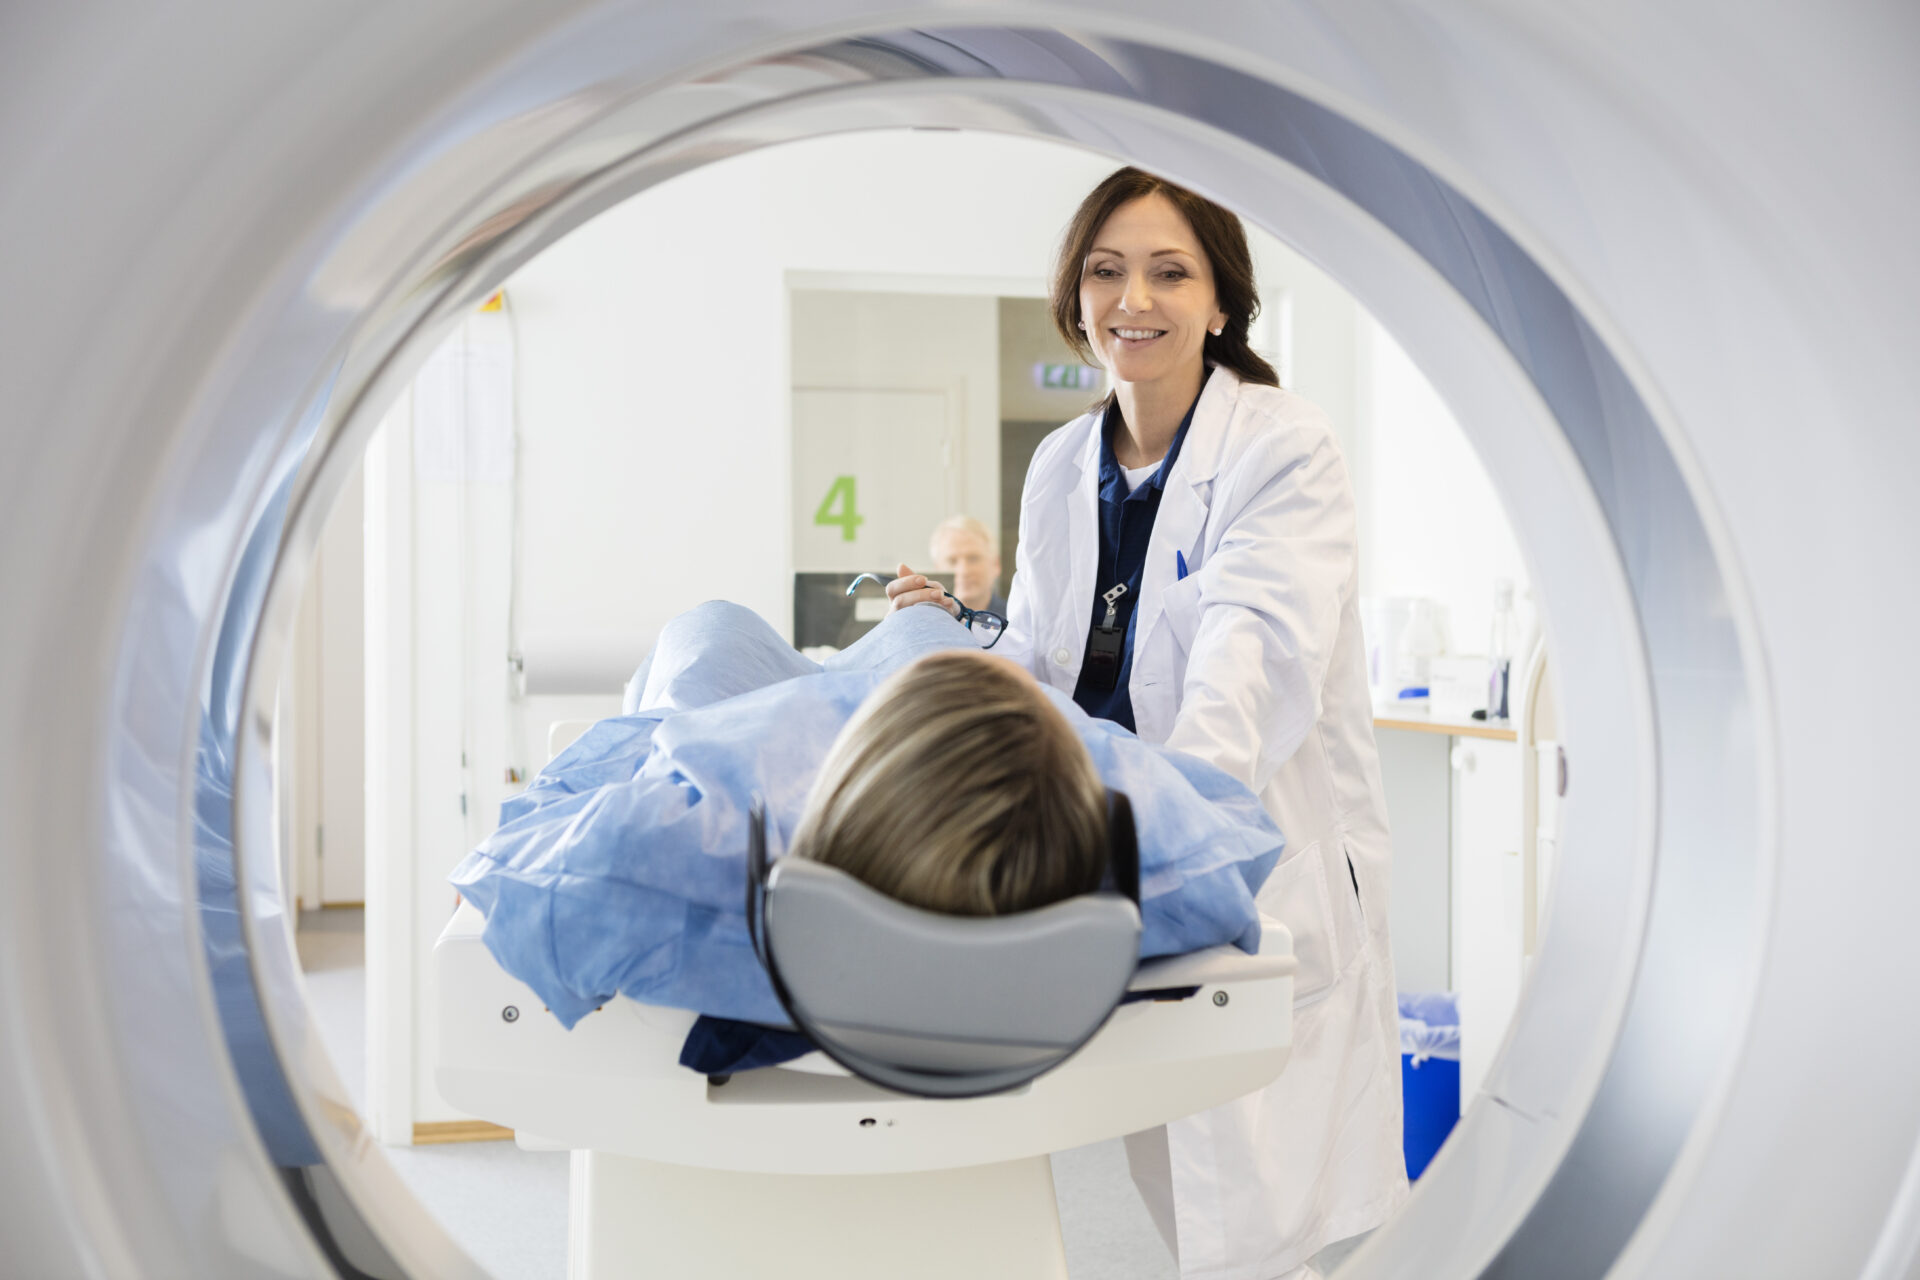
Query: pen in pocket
[{"x": 1180, "y": 564}]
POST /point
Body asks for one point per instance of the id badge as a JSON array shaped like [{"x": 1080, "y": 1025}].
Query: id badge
[{"x": 1104, "y": 650}]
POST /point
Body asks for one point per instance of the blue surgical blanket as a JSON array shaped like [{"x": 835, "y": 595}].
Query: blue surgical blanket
[{"x": 622, "y": 868}]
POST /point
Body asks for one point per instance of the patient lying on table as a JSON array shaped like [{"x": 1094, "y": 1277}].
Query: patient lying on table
[
  {"x": 957, "y": 787},
  {"x": 939, "y": 775}
]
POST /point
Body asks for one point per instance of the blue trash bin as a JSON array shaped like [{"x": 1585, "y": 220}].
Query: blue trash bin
[{"x": 1429, "y": 1073}]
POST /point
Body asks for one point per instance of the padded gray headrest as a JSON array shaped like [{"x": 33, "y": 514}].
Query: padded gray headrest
[{"x": 940, "y": 1005}]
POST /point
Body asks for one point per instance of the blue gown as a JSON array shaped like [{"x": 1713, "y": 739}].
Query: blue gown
[{"x": 622, "y": 868}]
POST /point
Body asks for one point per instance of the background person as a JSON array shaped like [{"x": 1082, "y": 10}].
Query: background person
[{"x": 966, "y": 549}]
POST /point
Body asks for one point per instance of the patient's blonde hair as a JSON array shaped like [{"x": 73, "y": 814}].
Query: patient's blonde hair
[{"x": 957, "y": 787}]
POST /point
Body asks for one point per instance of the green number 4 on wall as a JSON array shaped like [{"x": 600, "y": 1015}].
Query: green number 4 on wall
[{"x": 848, "y": 517}]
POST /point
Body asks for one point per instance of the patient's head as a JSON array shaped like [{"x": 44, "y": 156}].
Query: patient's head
[{"x": 957, "y": 787}]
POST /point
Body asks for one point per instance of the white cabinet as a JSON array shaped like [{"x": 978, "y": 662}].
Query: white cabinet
[
  {"x": 1475, "y": 810},
  {"x": 1419, "y": 788},
  {"x": 1488, "y": 907},
  {"x": 1463, "y": 903}
]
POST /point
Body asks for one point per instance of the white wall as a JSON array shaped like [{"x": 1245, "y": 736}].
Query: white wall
[
  {"x": 1317, "y": 350},
  {"x": 320, "y": 732},
  {"x": 339, "y": 584},
  {"x": 1430, "y": 521},
  {"x": 439, "y": 723},
  {"x": 394, "y": 936},
  {"x": 297, "y": 734},
  {"x": 653, "y": 365}
]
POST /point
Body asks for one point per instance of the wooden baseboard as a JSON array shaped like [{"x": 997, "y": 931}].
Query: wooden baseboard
[{"x": 459, "y": 1131}]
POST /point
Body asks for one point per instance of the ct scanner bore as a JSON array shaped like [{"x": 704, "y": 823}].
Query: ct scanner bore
[{"x": 1667, "y": 293}]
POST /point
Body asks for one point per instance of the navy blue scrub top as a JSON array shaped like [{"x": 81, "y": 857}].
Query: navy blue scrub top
[{"x": 1126, "y": 526}]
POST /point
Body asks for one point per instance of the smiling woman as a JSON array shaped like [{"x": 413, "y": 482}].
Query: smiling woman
[
  {"x": 1153, "y": 279},
  {"x": 1188, "y": 568}
]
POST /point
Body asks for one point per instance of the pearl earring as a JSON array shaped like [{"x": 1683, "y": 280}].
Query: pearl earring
[
  {"x": 1216, "y": 332},
  {"x": 1081, "y": 323}
]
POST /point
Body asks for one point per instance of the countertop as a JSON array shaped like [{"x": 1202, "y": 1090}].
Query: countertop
[{"x": 1419, "y": 717}]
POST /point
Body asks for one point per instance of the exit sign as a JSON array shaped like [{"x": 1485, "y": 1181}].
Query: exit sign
[{"x": 1066, "y": 377}]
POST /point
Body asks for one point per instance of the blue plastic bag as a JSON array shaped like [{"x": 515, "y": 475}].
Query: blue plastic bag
[
  {"x": 1430, "y": 1026},
  {"x": 1429, "y": 1074}
]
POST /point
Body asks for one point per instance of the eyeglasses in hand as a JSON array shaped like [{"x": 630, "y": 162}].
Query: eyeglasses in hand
[{"x": 987, "y": 627}]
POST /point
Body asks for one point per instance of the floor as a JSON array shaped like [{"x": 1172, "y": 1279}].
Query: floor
[{"x": 508, "y": 1207}]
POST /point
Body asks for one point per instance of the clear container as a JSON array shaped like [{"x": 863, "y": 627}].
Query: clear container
[
  {"x": 1505, "y": 635},
  {"x": 1403, "y": 636}
]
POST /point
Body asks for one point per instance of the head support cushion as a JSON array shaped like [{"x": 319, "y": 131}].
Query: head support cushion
[{"x": 940, "y": 1005}]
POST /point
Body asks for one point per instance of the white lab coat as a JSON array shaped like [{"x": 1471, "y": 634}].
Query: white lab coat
[{"x": 1255, "y": 663}]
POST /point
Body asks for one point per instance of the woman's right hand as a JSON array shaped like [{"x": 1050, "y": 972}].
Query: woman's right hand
[{"x": 910, "y": 588}]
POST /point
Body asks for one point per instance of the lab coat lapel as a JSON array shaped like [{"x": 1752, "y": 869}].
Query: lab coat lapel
[
  {"x": 1177, "y": 527},
  {"x": 1083, "y": 547}
]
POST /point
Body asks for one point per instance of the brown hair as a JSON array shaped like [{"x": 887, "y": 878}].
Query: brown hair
[
  {"x": 1222, "y": 239},
  {"x": 957, "y": 787}
]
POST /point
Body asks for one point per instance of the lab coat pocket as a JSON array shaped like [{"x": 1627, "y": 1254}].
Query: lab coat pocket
[
  {"x": 1181, "y": 604},
  {"x": 1296, "y": 895}
]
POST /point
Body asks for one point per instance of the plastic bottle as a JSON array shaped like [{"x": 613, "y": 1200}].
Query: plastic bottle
[
  {"x": 1500, "y": 644},
  {"x": 1421, "y": 643}
]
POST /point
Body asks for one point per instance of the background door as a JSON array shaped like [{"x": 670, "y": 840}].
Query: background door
[
  {"x": 895, "y": 428},
  {"x": 873, "y": 474},
  {"x": 323, "y": 734}
]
